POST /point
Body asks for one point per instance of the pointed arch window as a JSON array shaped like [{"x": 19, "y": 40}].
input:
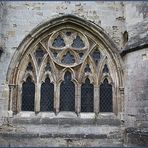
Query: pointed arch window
[
  {"x": 28, "y": 95},
  {"x": 47, "y": 96},
  {"x": 56, "y": 52},
  {"x": 67, "y": 94},
  {"x": 87, "y": 96},
  {"x": 106, "y": 102}
]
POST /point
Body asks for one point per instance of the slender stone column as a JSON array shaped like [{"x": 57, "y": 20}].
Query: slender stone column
[{"x": 96, "y": 98}]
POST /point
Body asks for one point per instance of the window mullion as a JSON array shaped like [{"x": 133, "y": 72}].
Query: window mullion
[
  {"x": 78, "y": 98},
  {"x": 96, "y": 98},
  {"x": 37, "y": 97}
]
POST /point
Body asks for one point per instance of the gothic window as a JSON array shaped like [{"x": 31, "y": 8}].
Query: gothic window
[
  {"x": 28, "y": 95},
  {"x": 106, "y": 97},
  {"x": 87, "y": 96},
  {"x": 67, "y": 94},
  {"x": 62, "y": 70},
  {"x": 47, "y": 95}
]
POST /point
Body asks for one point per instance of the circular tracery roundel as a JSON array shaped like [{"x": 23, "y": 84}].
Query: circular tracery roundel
[{"x": 68, "y": 47}]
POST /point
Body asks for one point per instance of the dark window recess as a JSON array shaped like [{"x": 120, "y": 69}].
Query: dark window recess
[
  {"x": 81, "y": 54},
  {"x": 87, "y": 96},
  {"x": 68, "y": 58},
  {"x": 67, "y": 94},
  {"x": 106, "y": 97},
  {"x": 105, "y": 69},
  {"x": 55, "y": 54},
  {"x": 39, "y": 53},
  {"x": 47, "y": 96},
  {"x": 58, "y": 42},
  {"x": 96, "y": 55},
  {"x": 68, "y": 33},
  {"x": 87, "y": 68},
  {"x": 78, "y": 43},
  {"x": 48, "y": 67},
  {"x": 29, "y": 67},
  {"x": 28, "y": 95}
]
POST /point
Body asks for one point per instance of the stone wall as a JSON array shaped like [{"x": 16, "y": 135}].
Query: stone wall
[
  {"x": 136, "y": 87},
  {"x": 21, "y": 17},
  {"x": 17, "y": 19}
]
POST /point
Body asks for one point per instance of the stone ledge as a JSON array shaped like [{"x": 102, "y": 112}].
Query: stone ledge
[
  {"x": 52, "y": 135},
  {"x": 71, "y": 121}
]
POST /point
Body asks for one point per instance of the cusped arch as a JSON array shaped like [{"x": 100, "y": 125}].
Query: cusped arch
[
  {"x": 43, "y": 28},
  {"x": 69, "y": 21}
]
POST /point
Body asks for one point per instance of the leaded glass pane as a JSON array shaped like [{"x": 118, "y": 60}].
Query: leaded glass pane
[
  {"x": 81, "y": 54},
  {"x": 87, "y": 68},
  {"x": 47, "y": 96},
  {"x": 28, "y": 95},
  {"x": 105, "y": 69},
  {"x": 39, "y": 53},
  {"x": 96, "y": 56},
  {"x": 47, "y": 67},
  {"x": 29, "y": 67},
  {"x": 87, "y": 96},
  {"x": 58, "y": 42},
  {"x": 106, "y": 97},
  {"x": 78, "y": 43},
  {"x": 68, "y": 58},
  {"x": 67, "y": 94}
]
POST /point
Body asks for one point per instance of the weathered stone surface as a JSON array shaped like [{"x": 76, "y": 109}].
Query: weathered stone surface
[
  {"x": 18, "y": 19},
  {"x": 136, "y": 136}
]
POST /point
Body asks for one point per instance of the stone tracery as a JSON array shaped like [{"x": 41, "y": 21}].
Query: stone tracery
[{"x": 68, "y": 50}]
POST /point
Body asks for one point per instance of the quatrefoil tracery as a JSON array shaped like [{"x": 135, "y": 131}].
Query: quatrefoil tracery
[{"x": 68, "y": 47}]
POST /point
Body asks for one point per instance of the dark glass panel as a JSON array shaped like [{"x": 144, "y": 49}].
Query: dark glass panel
[
  {"x": 105, "y": 69},
  {"x": 81, "y": 54},
  {"x": 39, "y": 53},
  {"x": 96, "y": 56},
  {"x": 87, "y": 96},
  {"x": 106, "y": 97},
  {"x": 47, "y": 67},
  {"x": 29, "y": 67},
  {"x": 78, "y": 43},
  {"x": 58, "y": 42},
  {"x": 47, "y": 96},
  {"x": 28, "y": 95},
  {"x": 67, "y": 94},
  {"x": 87, "y": 68},
  {"x": 68, "y": 58}
]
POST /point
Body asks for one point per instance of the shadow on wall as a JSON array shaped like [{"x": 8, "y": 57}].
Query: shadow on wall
[{"x": 1, "y": 51}]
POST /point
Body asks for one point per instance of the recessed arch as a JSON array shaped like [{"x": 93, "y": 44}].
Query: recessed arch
[{"x": 95, "y": 33}]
